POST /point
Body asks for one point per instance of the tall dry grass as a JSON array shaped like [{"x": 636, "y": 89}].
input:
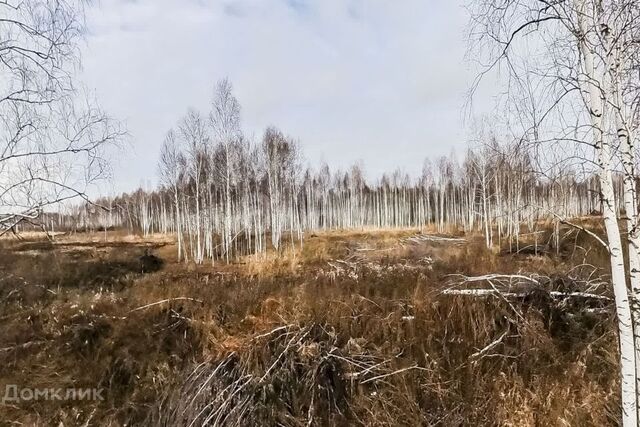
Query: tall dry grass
[{"x": 292, "y": 340}]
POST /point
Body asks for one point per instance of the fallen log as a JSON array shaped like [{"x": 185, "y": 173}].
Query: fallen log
[
  {"x": 420, "y": 238},
  {"x": 493, "y": 292}
]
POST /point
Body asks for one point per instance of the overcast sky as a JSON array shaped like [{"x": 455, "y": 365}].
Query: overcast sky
[{"x": 377, "y": 81}]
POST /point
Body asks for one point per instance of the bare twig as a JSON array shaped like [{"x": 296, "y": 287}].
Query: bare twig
[{"x": 164, "y": 301}]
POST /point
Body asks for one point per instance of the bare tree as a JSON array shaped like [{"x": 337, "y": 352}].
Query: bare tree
[
  {"x": 52, "y": 143},
  {"x": 281, "y": 157},
  {"x": 194, "y": 136},
  {"x": 579, "y": 54},
  {"x": 225, "y": 123},
  {"x": 172, "y": 168}
]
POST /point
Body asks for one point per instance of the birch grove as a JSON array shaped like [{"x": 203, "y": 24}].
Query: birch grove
[{"x": 267, "y": 199}]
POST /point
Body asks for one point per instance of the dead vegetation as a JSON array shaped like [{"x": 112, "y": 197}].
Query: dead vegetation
[{"x": 351, "y": 329}]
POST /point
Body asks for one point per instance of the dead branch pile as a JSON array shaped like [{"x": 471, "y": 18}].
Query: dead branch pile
[
  {"x": 289, "y": 374},
  {"x": 355, "y": 268}
]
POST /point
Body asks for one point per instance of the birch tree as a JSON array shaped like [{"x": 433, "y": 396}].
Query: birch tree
[
  {"x": 573, "y": 48},
  {"x": 280, "y": 156},
  {"x": 225, "y": 124},
  {"x": 171, "y": 168},
  {"x": 52, "y": 141},
  {"x": 194, "y": 135}
]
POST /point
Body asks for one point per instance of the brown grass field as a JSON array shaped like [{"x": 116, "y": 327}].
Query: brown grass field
[{"x": 351, "y": 329}]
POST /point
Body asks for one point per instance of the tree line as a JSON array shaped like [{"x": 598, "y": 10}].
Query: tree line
[{"x": 223, "y": 194}]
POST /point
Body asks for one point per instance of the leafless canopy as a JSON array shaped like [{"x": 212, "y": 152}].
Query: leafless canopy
[{"x": 52, "y": 141}]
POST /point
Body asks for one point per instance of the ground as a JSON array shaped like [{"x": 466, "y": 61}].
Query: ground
[{"x": 352, "y": 328}]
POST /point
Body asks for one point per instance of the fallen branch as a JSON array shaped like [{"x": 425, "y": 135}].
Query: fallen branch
[
  {"x": 399, "y": 371},
  {"x": 497, "y": 276},
  {"x": 280, "y": 328},
  {"x": 21, "y": 346},
  {"x": 166, "y": 300},
  {"x": 554, "y": 294},
  {"x": 557, "y": 294},
  {"x": 482, "y": 292},
  {"x": 419, "y": 238},
  {"x": 488, "y": 347}
]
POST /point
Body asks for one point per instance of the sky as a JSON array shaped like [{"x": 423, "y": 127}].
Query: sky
[{"x": 381, "y": 82}]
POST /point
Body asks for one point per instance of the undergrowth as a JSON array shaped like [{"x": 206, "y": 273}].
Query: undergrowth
[{"x": 352, "y": 329}]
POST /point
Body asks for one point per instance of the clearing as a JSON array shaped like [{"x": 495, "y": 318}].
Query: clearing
[{"x": 360, "y": 328}]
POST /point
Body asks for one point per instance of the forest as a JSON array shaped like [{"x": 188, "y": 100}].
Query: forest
[{"x": 224, "y": 196}]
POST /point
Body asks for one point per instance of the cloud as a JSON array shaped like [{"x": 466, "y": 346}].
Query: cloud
[{"x": 370, "y": 80}]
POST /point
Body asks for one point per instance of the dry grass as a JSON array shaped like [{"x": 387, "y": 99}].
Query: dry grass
[{"x": 352, "y": 329}]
